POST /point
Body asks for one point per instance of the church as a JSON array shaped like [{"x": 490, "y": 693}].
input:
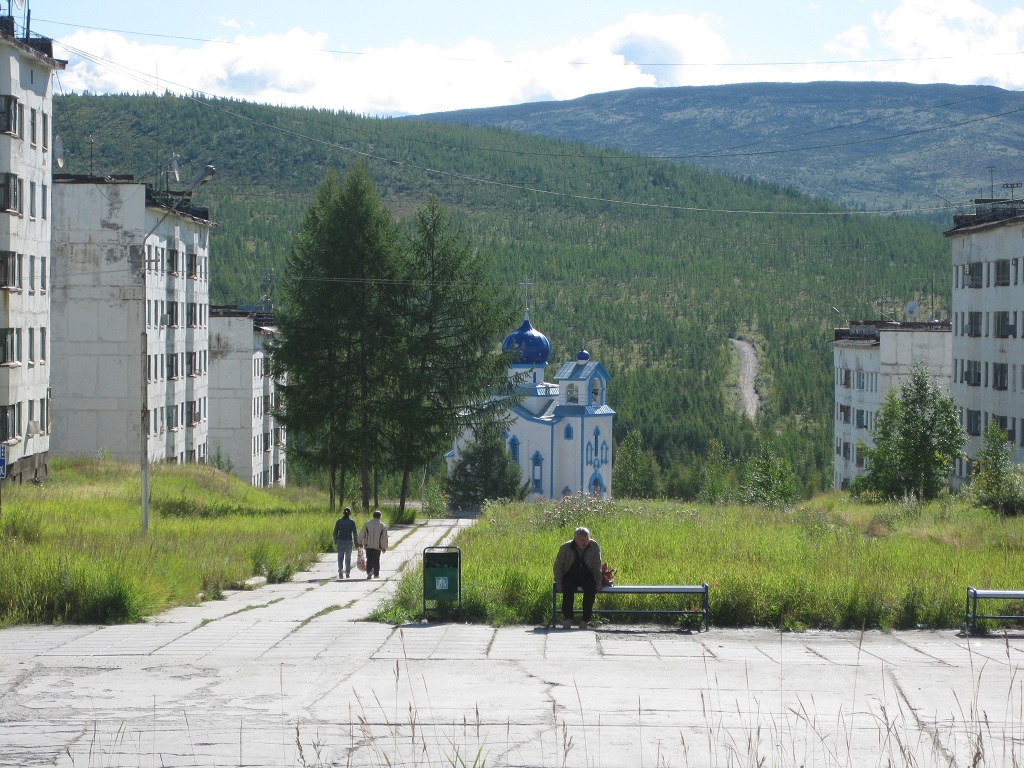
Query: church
[{"x": 561, "y": 432}]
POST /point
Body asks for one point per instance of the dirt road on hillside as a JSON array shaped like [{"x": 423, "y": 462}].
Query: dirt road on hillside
[{"x": 748, "y": 375}]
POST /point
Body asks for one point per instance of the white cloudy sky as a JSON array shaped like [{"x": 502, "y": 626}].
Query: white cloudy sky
[{"x": 410, "y": 57}]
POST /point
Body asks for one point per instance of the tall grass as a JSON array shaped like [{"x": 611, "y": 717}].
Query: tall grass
[
  {"x": 72, "y": 549},
  {"x": 829, "y": 563}
]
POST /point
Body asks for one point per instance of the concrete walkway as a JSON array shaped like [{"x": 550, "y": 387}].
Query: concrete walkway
[{"x": 289, "y": 675}]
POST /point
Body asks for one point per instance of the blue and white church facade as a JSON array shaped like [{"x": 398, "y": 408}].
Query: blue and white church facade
[{"x": 561, "y": 432}]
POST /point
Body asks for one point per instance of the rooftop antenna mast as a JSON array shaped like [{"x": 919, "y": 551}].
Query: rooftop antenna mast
[{"x": 992, "y": 181}]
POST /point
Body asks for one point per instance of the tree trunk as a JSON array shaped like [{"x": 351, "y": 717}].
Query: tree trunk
[{"x": 405, "y": 489}]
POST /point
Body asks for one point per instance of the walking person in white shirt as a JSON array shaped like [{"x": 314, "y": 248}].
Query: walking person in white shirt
[{"x": 374, "y": 537}]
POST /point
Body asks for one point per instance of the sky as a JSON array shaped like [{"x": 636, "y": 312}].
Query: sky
[{"x": 411, "y": 57}]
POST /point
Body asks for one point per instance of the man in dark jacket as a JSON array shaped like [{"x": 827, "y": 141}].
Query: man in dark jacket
[
  {"x": 578, "y": 565},
  {"x": 344, "y": 538}
]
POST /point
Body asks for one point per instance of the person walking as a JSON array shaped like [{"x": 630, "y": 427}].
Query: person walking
[
  {"x": 344, "y": 538},
  {"x": 578, "y": 565},
  {"x": 374, "y": 537}
]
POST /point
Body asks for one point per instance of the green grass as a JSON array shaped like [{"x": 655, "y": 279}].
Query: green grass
[
  {"x": 73, "y": 552},
  {"x": 829, "y": 563}
]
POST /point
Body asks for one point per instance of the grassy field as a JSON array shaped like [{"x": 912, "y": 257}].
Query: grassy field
[
  {"x": 828, "y": 563},
  {"x": 72, "y": 549}
]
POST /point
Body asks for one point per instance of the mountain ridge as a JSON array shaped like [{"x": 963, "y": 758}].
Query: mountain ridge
[{"x": 937, "y": 141}]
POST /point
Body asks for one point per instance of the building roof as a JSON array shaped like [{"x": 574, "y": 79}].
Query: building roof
[
  {"x": 988, "y": 214},
  {"x": 581, "y": 370},
  {"x": 40, "y": 48}
]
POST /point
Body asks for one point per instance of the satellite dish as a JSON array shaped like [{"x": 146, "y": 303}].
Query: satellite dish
[
  {"x": 912, "y": 310},
  {"x": 19, "y": 3},
  {"x": 175, "y": 168},
  {"x": 59, "y": 151}
]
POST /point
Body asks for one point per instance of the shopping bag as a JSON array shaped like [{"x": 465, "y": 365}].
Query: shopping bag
[{"x": 361, "y": 560}]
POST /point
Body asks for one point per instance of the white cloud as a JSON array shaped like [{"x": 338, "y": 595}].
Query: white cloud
[
  {"x": 230, "y": 23},
  {"x": 921, "y": 41},
  {"x": 413, "y": 77}
]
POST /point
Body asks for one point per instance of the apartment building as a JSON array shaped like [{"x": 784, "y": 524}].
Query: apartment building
[
  {"x": 26, "y": 162},
  {"x": 870, "y": 358},
  {"x": 244, "y": 435},
  {"x": 130, "y": 325},
  {"x": 988, "y": 305}
]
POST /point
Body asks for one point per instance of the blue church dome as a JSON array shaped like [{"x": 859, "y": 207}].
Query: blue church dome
[
  {"x": 582, "y": 355},
  {"x": 533, "y": 345}
]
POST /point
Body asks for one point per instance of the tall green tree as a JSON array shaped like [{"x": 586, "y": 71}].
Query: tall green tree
[
  {"x": 635, "y": 473},
  {"x": 336, "y": 320},
  {"x": 999, "y": 483},
  {"x": 448, "y": 366},
  {"x": 917, "y": 437},
  {"x": 486, "y": 471}
]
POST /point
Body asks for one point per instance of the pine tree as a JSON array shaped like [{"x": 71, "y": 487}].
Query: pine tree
[
  {"x": 486, "y": 471},
  {"x": 449, "y": 364},
  {"x": 335, "y": 323}
]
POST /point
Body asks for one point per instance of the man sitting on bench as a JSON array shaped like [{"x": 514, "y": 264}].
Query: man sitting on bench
[{"x": 578, "y": 565}]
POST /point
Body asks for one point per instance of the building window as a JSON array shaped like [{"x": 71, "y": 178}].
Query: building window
[
  {"x": 193, "y": 265},
  {"x": 571, "y": 394},
  {"x": 10, "y": 272},
  {"x": 9, "y": 111},
  {"x": 33, "y": 127},
  {"x": 10, "y": 346},
  {"x": 1000, "y": 376},
  {"x": 1005, "y": 327},
  {"x": 31, "y": 346},
  {"x": 972, "y": 373},
  {"x": 1002, "y": 275},
  {"x": 42, "y": 274},
  {"x": 31, "y": 274},
  {"x": 974, "y": 274},
  {"x": 862, "y": 421},
  {"x": 46, "y": 132},
  {"x": 973, "y": 422},
  {"x": 11, "y": 191},
  {"x": 10, "y": 422},
  {"x": 845, "y": 412},
  {"x": 42, "y": 345},
  {"x": 860, "y": 380},
  {"x": 568, "y": 432},
  {"x": 44, "y": 203},
  {"x": 537, "y": 474},
  {"x": 513, "y": 449},
  {"x": 973, "y": 327},
  {"x": 31, "y": 199}
]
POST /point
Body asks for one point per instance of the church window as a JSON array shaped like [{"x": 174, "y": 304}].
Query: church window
[
  {"x": 571, "y": 394},
  {"x": 537, "y": 474},
  {"x": 604, "y": 453},
  {"x": 568, "y": 431},
  {"x": 513, "y": 448}
]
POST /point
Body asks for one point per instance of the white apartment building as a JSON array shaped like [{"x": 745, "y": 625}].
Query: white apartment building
[
  {"x": 26, "y": 162},
  {"x": 244, "y": 435},
  {"x": 988, "y": 303},
  {"x": 130, "y": 335},
  {"x": 870, "y": 358}
]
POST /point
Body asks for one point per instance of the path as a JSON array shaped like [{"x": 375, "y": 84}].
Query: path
[
  {"x": 289, "y": 675},
  {"x": 748, "y": 377}
]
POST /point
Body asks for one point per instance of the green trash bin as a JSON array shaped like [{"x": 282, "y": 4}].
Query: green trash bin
[{"x": 442, "y": 577}]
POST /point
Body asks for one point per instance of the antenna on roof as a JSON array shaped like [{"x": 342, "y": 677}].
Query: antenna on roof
[
  {"x": 175, "y": 168},
  {"x": 912, "y": 310}
]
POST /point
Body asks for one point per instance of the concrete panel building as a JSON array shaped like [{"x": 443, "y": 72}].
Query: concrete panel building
[
  {"x": 243, "y": 433},
  {"x": 26, "y": 163},
  {"x": 130, "y": 341},
  {"x": 988, "y": 305},
  {"x": 870, "y": 358}
]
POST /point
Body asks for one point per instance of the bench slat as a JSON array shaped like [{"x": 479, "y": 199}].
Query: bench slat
[
  {"x": 648, "y": 589},
  {"x": 974, "y": 595}
]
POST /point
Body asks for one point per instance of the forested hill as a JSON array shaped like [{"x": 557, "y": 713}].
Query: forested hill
[
  {"x": 880, "y": 146},
  {"x": 653, "y": 263}
]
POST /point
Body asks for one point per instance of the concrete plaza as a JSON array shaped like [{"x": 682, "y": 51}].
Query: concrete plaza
[{"x": 291, "y": 675}]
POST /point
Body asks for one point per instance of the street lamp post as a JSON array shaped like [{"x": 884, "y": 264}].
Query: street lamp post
[{"x": 204, "y": 175}]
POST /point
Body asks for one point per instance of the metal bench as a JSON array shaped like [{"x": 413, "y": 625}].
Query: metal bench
[
  {"x": 694, "y": 589},
  {"x": 974, "y": 595}
]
